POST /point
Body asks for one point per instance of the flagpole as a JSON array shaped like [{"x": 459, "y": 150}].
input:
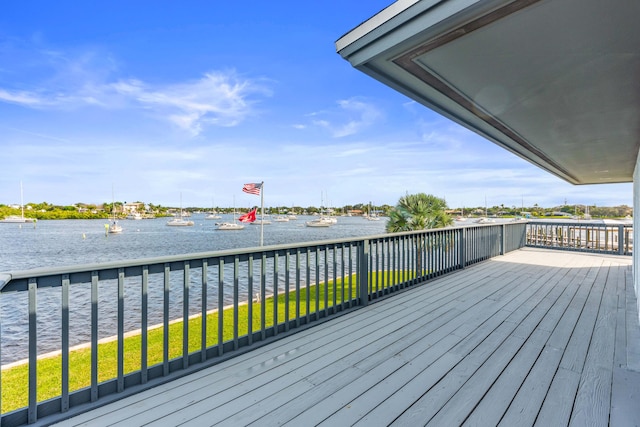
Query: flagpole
[{"x": 262, "y": 213}]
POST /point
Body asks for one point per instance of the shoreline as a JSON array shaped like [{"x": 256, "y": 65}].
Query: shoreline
[
  {"x": 130, "y": 334},
  {"x": 112, "y": 338}
]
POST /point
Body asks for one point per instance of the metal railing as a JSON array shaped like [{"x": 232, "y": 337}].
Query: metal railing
[
  {"x": 580, "y": 236},
  {"x": 122, "y": 327}
]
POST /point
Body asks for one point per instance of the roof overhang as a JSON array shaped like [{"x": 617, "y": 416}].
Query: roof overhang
[{"x": 556, "y": 82}]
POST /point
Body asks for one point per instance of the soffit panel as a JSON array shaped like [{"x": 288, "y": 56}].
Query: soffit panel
[{"x": 553, "y": 81}]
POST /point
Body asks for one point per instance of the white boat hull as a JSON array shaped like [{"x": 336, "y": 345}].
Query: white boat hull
[
  {"x": 318, "y": 223},
  {"x": 115, "y": 228},
  {"x": 17, "y": 220},
  {"x": 229, "y": 226},
  {"x": 179, "y": 223}
]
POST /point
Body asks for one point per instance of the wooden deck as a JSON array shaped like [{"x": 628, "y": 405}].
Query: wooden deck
[{"x": 536, "y": 337}]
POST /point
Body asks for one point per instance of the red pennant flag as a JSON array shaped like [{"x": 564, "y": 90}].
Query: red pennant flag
[{"x": 248, "y": 217}]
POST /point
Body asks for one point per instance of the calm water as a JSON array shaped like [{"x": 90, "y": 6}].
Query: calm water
[{"x": 72, "y": 242}]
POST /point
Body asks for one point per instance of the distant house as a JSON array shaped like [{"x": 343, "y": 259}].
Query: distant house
[
  {"x": 81, "y": 207},
  {"x": 133, "y": 207}
]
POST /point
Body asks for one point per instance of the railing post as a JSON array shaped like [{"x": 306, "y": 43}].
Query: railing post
[
  {"x": 363, "y": 272},
  {"x": 462, "y": 248},
  {"x": 502, "y": 239},
  {"x": 621, "y": 240},
  {"x": 33, "y": 353},
  {"x": 94, "y": 335}
]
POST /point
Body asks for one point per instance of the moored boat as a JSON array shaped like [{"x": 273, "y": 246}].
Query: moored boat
[
  {"x": 320, "y": 222},
  {"x": 230, "y": 226},
  {"x": 114, "y": 228},
  {"x": 15, "y": 219},
  {"x": 179, "y": 222},
  {"x": 134, "y": 216},
  {"x": 261, "y": 221},
  {"x": 485, "y": 220}
]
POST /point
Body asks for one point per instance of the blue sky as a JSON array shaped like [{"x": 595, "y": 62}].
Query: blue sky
[{"x": 163, "y": 100}]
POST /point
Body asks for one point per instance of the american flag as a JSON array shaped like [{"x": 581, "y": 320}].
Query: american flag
[{"x": 253, "y": 188}]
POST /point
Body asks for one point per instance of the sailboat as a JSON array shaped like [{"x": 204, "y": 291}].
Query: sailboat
[
  {"x": 213, "y": 214},
  {"x": 281, "y": 218},
  {"x": 262, "y": 220},
  {"x": 485, "y": 219},
  {"x": 114, "y": 227},
  {"x": 319, "y": 222},
  {"x": 15, "y": 218},
  {"x": 373, "y": 216},
  {"x": 179, "y": 221},
  {"x": 324, "y": 220},
  {"x": 461, "y": 217},
  {"x": 231, "y": 225}
]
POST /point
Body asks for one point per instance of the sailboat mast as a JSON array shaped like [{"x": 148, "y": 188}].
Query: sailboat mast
[
  {"x": 113, "y": 203},
  {"x": 21, "y": 200},
  {"x": 234, "y": 209}
]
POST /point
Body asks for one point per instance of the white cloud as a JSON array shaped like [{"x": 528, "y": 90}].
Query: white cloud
[
  {"x": 218, "y": 98},
  {"x": 352, "y": 117},
  {"x": 22, "y": 98}
]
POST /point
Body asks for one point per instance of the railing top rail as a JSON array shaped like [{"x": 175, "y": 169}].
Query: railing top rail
[
  {"x": 80, "y": 268},
  {"x": 8, "y": 276},
  {"x": 585, "y": 223}
]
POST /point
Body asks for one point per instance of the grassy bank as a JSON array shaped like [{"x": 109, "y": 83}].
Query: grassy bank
[{"x": 15, "y": 379}]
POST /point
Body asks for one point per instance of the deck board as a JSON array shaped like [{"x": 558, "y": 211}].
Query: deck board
[
  {"x": 471, "y": 396},
  {"x": 536, "y": 363},
  {"x": 592, "y": 404},
  {"x": 533, "y": 337}
]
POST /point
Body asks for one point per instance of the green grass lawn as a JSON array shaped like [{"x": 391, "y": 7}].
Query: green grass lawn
[{"x": 15, "y": 380}]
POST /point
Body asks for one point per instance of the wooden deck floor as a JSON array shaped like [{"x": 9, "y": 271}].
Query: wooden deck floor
[{"x": 535, "y": 337}]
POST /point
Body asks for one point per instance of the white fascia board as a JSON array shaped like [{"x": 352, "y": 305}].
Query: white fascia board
[
  {"x": 374, "y": 22},
  {"x": 393, "y": 27}
]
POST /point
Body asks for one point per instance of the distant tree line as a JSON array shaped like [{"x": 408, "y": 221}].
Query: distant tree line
[
  {"x": 541, "y": 212},
  {"x": 46, "y": 210}
]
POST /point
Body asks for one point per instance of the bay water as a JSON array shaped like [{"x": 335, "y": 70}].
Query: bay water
[{"x": 57, "y": 243}]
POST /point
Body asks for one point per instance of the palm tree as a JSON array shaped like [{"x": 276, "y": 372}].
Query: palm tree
[{"x": 416, "y": 212}]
